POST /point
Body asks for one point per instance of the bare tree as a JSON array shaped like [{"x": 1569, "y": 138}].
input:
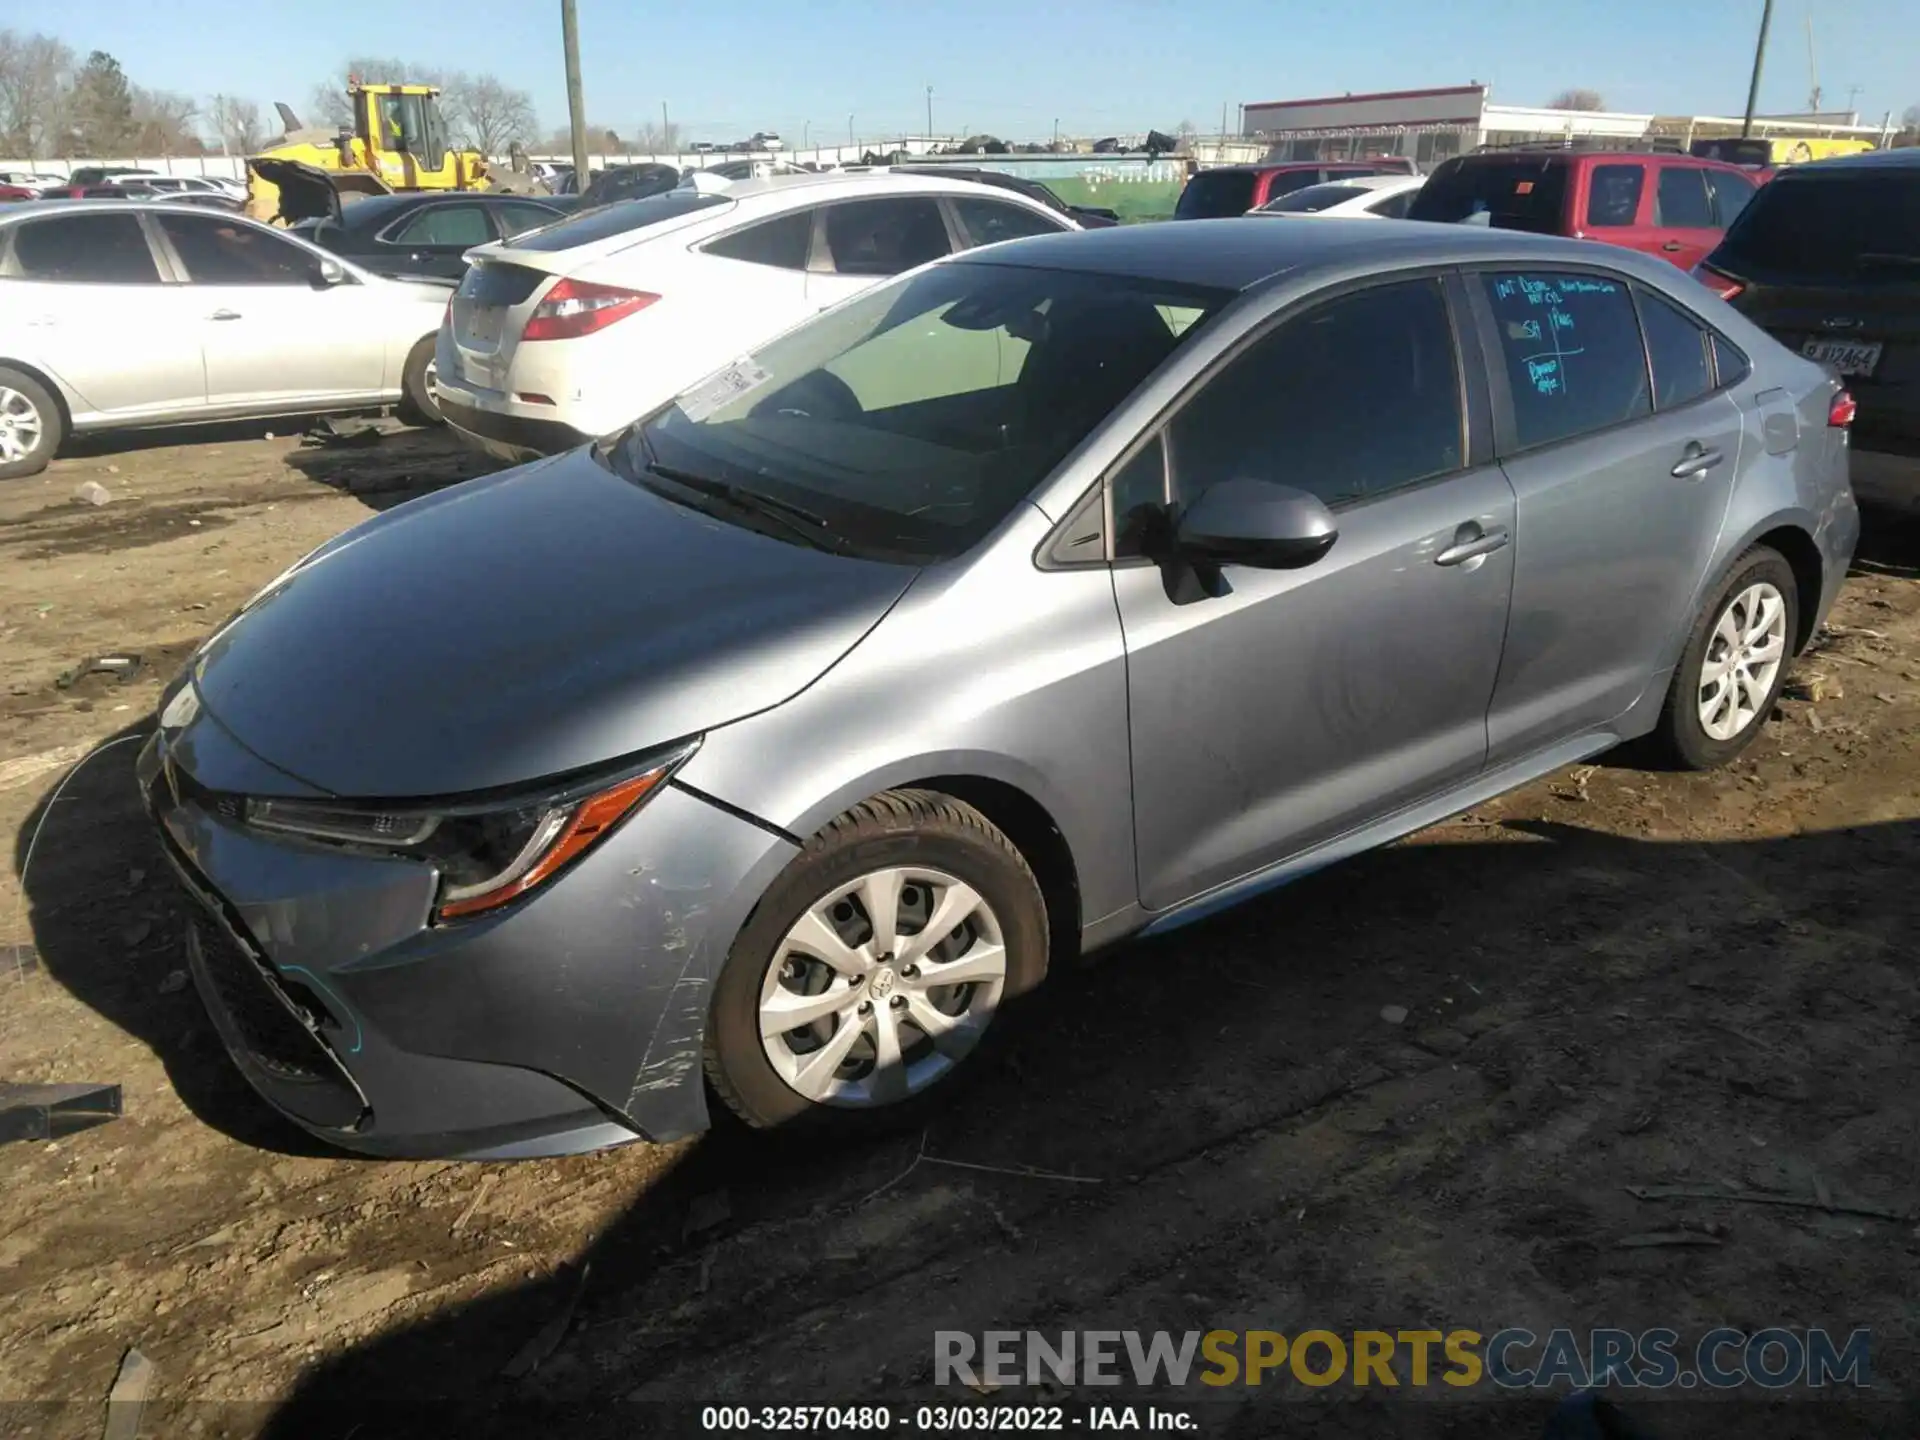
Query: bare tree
[
  {"x": 328, "y": 105},
  {"x": 235, "y": 124},
  {"x": 162, "y": 122},
  {"x": 559, "y": 141},
  {"x": 489, "y": 112},
  {"x": 1577, "y": 99},
  {"x": 36, "y": 80},
  {"x": 659, "y": 139}
]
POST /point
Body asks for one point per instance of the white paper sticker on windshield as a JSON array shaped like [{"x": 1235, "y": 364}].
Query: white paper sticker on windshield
[{"x": 742, "y": 377}]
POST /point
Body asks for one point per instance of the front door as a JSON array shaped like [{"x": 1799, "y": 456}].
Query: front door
[
  {"x": 270, "y": 336},
  {"x": 1684, "y": 214},
  {"x": 1622, "y": 476},
  {"x": 1275, "y": 709}
]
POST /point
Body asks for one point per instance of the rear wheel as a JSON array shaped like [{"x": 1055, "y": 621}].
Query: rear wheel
[
  {"x": 1735, "y": 663},
  {"x": 417, "y": 403},
  {"x": 865, "y": 985},
  {"x": 31, "y": 426}
]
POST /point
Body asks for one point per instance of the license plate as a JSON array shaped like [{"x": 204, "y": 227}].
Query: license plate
[
  {"x": 1849, "y": 357},
  {"x": 481, "y": 326}
]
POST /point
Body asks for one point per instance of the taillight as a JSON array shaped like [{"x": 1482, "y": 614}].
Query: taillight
[
  {"x": 1841, "y": 412},
  {"x": 1725, "y": 286},
  {"x": 574, "y": 308}
]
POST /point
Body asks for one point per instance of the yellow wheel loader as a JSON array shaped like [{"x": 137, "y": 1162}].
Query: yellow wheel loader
[{"x": 397, "y": 141}]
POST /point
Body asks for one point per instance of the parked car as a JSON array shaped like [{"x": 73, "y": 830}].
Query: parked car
[
  {"x": 1375, "y": 197},
  {"x": 119, "y": 314},
  {"x": 201, "y": 200},
  {"x": 570, "y": 333},
  {"x": 428, "y": 232},
  {"x": 1072, "y": 589},
  {"x": 1235, "y": 189},
  {"x": 103, "y": 174},
  {"x": 1827, "y": 260},
  {"x": 18, "y": 192},
  {"x": 1671, "y": 205},
  {"x": 629, "y": 182},
  {"x": 1088, "y": 217},
  {"x": 197, "y": 185}
]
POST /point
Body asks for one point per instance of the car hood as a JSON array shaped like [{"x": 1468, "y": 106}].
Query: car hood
[{"x": 535, "y": 622}]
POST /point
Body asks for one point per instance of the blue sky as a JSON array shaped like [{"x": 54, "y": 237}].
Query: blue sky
[{"x": 803, "y": 68}]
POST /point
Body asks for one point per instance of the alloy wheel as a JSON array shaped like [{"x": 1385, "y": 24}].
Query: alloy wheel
[
  {"x": 21, "y": 426},
  {"x": 881, "y": 987},
  {"x": 1744, "y": 655}
]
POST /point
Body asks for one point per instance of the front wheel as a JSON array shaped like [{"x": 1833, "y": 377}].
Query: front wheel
[
  {"x": 1734, "y": 664},
  {"x": 867, "y": 980}
]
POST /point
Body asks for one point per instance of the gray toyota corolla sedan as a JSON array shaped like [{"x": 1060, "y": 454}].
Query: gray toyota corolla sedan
[{"x": 1070, "y": 589}]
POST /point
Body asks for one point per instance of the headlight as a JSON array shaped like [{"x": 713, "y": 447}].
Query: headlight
[{"x": 487, "y": 853}]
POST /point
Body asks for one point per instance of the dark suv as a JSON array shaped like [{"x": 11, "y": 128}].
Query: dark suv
[
  {"x": 1828, "y": 260},
  {"x": 1236, "y": 189},
  {"x": 1670, "y": 205}
]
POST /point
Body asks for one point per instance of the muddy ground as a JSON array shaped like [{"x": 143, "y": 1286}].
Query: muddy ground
[{"x": 1613, "y": 978}]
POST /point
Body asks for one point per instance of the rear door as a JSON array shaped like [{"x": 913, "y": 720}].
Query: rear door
[
  {"x": 1829, "y": 261},
  {"x": 859, "y": 243},
  {"x": 1684, "y": 213},
  {"x": 1621, "y": 477},
  {"x": 85, "y": 294}
]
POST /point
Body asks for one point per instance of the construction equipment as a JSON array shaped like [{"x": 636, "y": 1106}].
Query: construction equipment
[{"x": 397, "y": 141}]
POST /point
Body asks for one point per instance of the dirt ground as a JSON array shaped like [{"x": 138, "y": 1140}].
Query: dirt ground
[{"x": 1613, "y": 978}]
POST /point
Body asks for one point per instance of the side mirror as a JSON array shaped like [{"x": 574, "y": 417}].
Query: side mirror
[
  {"x": 327, "y": 274},
  {"x": 1258, "y": 523}
]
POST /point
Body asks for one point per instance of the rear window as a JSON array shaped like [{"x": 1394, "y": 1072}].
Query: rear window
[
  {"x": 619, "y": 219},
  {"x": 1315, "y": 198},
  {"x": 1213, "y": 194},
  {"x": 1837, "y": 227},
  {"x": 1518, "y": 193}
]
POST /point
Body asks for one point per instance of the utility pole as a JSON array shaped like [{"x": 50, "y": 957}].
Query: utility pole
[
  {"x": 666, "y": 131},
  {"x": 1759, "y": 60},
  {"x": 1056, "y": 133},
  {"x": 576, "y": 103},
  {"x": 1223, "y": 118},
  {"x": 930, "y": 111},
  {"x": 850, "y": 139}
]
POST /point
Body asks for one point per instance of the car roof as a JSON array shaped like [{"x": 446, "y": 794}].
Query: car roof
[
  {"x": 1262, "y": 167},
  {"x": 857, "y": 183},
  {"x": 377, "y": 210},
  {"x": 1367, "y": 182},
  {"x": 1241, "y": 252},
  {"x": 1907, "y": 158},
  {"x": 32, "y": 209}
]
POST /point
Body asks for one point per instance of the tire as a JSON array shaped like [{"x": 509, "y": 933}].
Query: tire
[
  {"x": 32, "y": 425},
  {"x": 417, "y": 405},
  {"x": 928, "y": 843},
  {"x": 1710, "y": 719}
]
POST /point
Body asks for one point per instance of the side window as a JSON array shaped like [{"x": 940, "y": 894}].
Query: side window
[
  {"x": 445, "y": 225},
  {"x": 1572, "y": 352},
  {"x": 1682, "y": 202},
  {"x": 1678, "y": 349},
  {"x": 985, "y": 221},
  {"x": 518, "y": 219},
  {"x": 1358, "y": 397},
  {"x": 1285, "y": 182},
  {"x": 226, "y": 252},
  {"x": 1394, "y": 207},
  {"x": 1731, "y": 192},
  {"x": 85, "y": 250},
  {"x": 885, "y": 237},
  {"x": 782, "y": 243},
  {"x": 1730, "y": 367},
  {"x": 1139, "y": 490},
  {"x": 1613, "y": 194}
]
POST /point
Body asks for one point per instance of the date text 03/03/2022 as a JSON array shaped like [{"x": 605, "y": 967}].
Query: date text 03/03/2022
[{"x": 945, "y": 1419}]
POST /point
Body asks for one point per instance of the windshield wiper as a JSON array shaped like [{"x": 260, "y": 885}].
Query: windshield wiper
[{"x": 741, "y": 498}]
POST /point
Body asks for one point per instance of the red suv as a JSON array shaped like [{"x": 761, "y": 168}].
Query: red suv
[
  {"x": 1236, "y": 189},
  {"x": 1673, "y": 206}
]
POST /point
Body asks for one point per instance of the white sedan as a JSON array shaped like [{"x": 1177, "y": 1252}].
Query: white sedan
[
  {"x": 577, "y": 329},
  {"x": 115, "y": 315},
  {"x": 1375, "y": 197}
]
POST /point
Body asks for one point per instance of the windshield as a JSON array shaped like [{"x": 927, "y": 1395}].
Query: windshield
[
  {"x": 1512, "y": 194},
  {"x": 1315, "y": 198},
  {"x": 1213, "y": 194},
  {"x": 910, "y": 421},
  {"x": 1843, "y": 226}
]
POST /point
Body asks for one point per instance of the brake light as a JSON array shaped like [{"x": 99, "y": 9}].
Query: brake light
[
  {"x": 574, "y": 308},
  {"x": 1841, "y": 412},
  {"x": 1725, "y": 286}
]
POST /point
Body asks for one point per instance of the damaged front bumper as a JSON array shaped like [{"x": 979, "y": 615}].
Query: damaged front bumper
[{"x": 569, "y": 1021}]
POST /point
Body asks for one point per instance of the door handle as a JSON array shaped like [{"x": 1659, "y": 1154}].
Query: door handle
[
  {"x": 1671, "y": 246},
  {"x": 1467, "y": 546},
  {"x": 224, "y": 315},
  {"x": 1697, "y": 460}
]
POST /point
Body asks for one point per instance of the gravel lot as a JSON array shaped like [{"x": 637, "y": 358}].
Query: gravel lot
[{"x": 1613, "y": 978}]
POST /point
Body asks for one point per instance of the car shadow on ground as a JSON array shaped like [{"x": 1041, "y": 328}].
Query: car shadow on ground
[
  {"x": 1889, "y": 543},
  {"x": 108, "y": 920},
  {"x": 212, "y": 432},
  {"x": 1567, "y": 972},
  {"x": 382, "y": 466}
]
